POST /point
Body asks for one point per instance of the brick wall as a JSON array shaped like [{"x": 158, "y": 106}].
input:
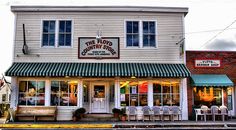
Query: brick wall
[{"x": 228, "y": 67}]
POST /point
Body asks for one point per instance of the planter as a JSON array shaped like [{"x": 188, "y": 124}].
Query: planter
[
  {"x": 116, "y": 115},
  {"x": 123, "y": 118}
]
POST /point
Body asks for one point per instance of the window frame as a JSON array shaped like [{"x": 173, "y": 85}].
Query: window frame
[
  {"x": 56, "y": 44},
  {"x": 33, "y": 80},
  {"x": 68, "y": 92},
  {"x": 162, "y": 94},
  {"x": 140, "y": 21},
  {"x": 138, "y": 94}
]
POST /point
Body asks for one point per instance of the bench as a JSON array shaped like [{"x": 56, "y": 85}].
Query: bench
[{"x": 36, "y": 113}]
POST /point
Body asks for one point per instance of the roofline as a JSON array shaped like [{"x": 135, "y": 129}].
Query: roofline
[{"x": 99, "y": 9}]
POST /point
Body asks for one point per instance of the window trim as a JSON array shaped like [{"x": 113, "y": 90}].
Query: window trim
[
  {"x": 28, "y": 80},
  {"x": 56, "y": 44},
  {"x": 141, "y": 34}
]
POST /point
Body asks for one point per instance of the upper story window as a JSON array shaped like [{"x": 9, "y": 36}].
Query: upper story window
[
  {"x": 64, "y": 33},
  {"x": 48, "y": 33},
  {"x": 140, "y": 33},
  {"x": 132, "y": 33},
  {"x": 57, "y": 33},
  {"x": 149, "y": 34}
]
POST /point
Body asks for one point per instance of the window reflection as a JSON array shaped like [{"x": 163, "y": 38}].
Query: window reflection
[
  {"x": 31, "y": 93},
  {"x": 166, "y": 93},
  {"x": 64, "y": 93},
  {"x": 207, "y": 96},
  {"x": 133, "y": 93}
]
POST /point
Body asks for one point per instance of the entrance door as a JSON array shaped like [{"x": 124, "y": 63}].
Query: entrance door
[{"x": 99, "y": 98}]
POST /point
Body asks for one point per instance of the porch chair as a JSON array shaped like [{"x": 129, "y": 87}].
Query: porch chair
[
  {"x": 166, "y": 112},
  {"x": 147, "y": 112},
  {"x": 223, "y": 112},
  {"x": 214, "y": 112},
  {"x": 132, "y": 111},
  {"x": 198, "y": 112},
  {"x": 175, "y": 111},
  {"x": 157, "y": 111},
  {"x": 206, "y": 111}
]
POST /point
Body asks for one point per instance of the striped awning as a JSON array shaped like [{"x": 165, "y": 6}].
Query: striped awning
[{"x": 98, "y": 69}]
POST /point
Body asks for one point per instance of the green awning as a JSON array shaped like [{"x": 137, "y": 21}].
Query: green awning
[
  {"x": 98, "y": 69},
  {"x": 211, "y": 80}
]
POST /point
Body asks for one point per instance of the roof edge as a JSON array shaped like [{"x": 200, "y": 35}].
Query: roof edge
[{"x": 29, "y": 8}]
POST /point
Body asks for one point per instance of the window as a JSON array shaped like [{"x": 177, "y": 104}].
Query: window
[
  {"x": 132, "y": 33},
  {"x": 165, "y": 93},
  {"x": 143, "y": 37},
  {"x": 32, "y": 93},
  {"x": 48, "y": 33},
  {"x": 207, "y": 96},
  {"x": 133, "y": 93},
  {"x": 63, "y": 35},
  {"x": 64, "y": 93},
  {"x": 149, "y": 36},
  {"x": 4, "y": 96}
]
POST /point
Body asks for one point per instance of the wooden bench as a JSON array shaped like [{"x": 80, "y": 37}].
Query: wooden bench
[{"x": 36, "y": 113}]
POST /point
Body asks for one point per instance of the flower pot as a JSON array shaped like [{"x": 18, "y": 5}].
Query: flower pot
[
  {"x": 116, "y": 115},
  {"x": 123, "y": 118}
]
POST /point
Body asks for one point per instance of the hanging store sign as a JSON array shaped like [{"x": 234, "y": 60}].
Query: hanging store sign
[
  {"x": 104, "y": 48},
  {"x": 208, "y": 63}
]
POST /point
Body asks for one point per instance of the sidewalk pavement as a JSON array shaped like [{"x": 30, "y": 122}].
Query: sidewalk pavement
[{"x": 230, "y": 124}]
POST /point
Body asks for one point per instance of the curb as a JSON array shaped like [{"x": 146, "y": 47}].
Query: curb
[{"x": 56, "y": 126}]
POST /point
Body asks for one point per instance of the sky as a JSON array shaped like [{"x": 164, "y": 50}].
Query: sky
[{"x": 209, "y": 24}]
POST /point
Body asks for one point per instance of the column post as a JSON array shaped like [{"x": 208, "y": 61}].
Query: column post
[
  {"x": 184, "y": 99},
  {"x": 47, "y": 92},
  {"x": 80, "y": 94},
  {"x": 117, "y": 93},
  {"x": 14, "y": 92},
  {"x": 150, "y": 93}
]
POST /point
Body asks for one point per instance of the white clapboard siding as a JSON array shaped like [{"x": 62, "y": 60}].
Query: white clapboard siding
[
  {"x": 169, "y": 32},
  {"x": 65, "y": 113}
]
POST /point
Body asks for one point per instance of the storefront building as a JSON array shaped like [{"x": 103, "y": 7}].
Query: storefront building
[
  {"x": 99, "y": 58},
  {"x": 212, "y": 79}
]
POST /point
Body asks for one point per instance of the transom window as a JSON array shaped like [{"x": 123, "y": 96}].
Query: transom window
[
  {"x": 52, "y": 37},
  {"x": 140, "y": 34},
  {"x": 32, "y": 93}
]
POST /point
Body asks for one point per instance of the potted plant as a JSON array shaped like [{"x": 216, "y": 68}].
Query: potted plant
[
  {"x": 79, "y": 113},
  {"x": 116, "y": 112},
  {"x": 123, "y": 114}
]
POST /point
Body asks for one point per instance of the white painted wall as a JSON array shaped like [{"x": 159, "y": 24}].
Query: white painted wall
[{"x": 169, "y": 32}]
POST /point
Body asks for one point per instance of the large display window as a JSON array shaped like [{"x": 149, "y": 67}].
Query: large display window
[
  {"x": 166, "y": 93},
  {"x": 207, "y": 96},
  {"x": 31, "y": 93},
  {"x": 133, "y": 93},
  {"x": 64, "y": 93}
]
